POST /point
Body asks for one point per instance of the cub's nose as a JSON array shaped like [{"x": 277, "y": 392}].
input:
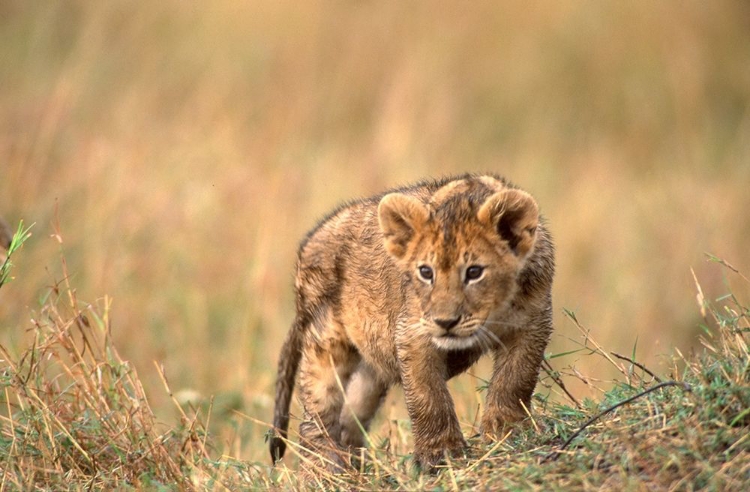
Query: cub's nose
[{"x": 447, "y": 323}]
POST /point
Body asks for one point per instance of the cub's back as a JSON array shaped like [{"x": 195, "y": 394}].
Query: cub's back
[{"x": 343, "y": 258}]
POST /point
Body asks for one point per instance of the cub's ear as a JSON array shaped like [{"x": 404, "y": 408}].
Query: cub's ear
[
  {"x": 514, "y": 214},
  {"x": 401, "y": 217}
]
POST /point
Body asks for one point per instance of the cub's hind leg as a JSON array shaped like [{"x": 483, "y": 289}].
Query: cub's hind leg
[
  {"x": 364, "y": 395},
  {"x": 326, "y": 365}
]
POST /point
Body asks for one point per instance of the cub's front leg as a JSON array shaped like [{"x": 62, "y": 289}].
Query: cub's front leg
[
  {"x": 514, "y": 377},
  {"x": 430, "y": 406}
]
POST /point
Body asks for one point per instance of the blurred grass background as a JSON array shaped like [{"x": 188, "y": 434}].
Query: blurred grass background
[{"x": 184, "y": 149}]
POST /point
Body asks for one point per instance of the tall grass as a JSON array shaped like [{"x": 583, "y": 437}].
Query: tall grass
[{"x": 182, "y": 152}]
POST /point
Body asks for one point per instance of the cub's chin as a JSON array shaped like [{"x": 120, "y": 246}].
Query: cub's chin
[{"x": 454, "y": 342}]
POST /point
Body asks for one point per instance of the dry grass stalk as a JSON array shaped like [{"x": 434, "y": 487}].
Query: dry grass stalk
[{"x": 75, "y": 411}]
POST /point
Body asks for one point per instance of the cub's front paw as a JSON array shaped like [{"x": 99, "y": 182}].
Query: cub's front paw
[
  {"x": 496, "y": 423},
  {"x": 334, "y": 462},
  {"x": 428, "y": 459}
]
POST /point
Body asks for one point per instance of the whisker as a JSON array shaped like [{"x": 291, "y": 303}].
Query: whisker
[
  {"x": 489, "y": 334},
  {"x": 497, "y": 340},
  {"x": 499, "y": 323},
  {"x": 484, "y": 340}
]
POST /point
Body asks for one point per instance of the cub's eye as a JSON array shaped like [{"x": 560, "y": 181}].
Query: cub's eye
[
  {"x": 474, "y": 272},
  {"x": 426, "y": 273}
]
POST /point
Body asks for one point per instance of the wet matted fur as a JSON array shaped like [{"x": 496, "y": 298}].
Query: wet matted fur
[{"x": 411, "y": 287}]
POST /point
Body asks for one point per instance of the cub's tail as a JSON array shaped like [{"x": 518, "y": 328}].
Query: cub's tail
[{"x": 287, "y": 371}]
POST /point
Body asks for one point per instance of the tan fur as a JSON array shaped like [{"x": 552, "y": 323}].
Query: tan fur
[{"x": 411, "y": 288}]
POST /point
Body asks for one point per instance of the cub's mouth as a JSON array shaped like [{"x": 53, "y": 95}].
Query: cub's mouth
[{"x": 454, "y": 341}]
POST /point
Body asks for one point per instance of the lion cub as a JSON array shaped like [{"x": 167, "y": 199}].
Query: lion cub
[{"x": 412, "y": 287}]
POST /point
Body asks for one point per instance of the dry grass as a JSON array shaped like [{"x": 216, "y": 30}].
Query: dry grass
[
  {"x": 183, "y": 151},
  {"x": 75, "y": 412}
]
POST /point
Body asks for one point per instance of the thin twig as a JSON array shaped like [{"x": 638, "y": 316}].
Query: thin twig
[
  {"x": 726, "y": 264},
  {"x": 554, "y": 455},
  {"x": 556, "y": 378},
  {"x": 597, "y": 348},
  {"x": 639, "y": 365},
  {"x": 189, "y": 423}
]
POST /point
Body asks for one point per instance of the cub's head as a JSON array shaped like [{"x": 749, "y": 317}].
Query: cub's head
[{"x": 464, "y": 250}]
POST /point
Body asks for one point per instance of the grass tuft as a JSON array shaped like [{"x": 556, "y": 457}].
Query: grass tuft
[
  {"x": 75, "y": 411},
  {"x": 14, "y": 243}
]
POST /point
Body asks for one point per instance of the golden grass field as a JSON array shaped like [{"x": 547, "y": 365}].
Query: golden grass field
[{"x": 175, "y": 154}]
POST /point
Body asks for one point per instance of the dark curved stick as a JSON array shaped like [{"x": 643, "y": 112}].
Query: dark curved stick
[
  {"x": 639, "y": 365},
  {"x": 553, "y": 455}
]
